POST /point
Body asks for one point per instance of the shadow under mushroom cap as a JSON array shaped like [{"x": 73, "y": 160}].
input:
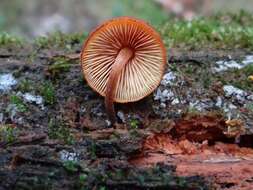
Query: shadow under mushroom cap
[{"x": 143, "y": 72}]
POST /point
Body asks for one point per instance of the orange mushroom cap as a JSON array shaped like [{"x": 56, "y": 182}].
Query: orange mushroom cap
[{"x": 124, "y": 54}]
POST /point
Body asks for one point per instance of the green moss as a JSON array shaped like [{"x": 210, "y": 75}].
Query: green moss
[
  {"x": 207, "y": 82},
  {"x": 102, "y": 188},
  {"x": 81, "y": 182},
  {"x": 93, "y": 150},
  {"x": 220, "y": 31},
  {"x": 25, "y": 85},
  {"x": 82, "y": 178},
  {"x": 70, "y": 166},
  {"x": 248, "y": 70},
  {"x": 250, "y": 107},
  {"x": 8, "y": 39},
  {"x": 8, "y": 133},
  {"x": 239, "y": 78},
  {"x": 192, "y": 111},
  {"x": 31, "y": 57},
  {"x": 57, "y": 130},
  {"x": 243, "y": 84},
  {"x": 60, "y": 40},
  {"x": 19, "y": 103},
  {"x": 149, "y": 11},
  {"x": 47, "y": 91},
  {"x": 59, "y": 65},
  {"x": 134, "y": 123}
]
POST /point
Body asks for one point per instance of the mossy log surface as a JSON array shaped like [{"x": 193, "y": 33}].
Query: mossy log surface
[{"x": 192, "y": 133}]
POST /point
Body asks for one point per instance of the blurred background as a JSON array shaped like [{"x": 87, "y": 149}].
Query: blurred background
[{"x": 31, "y": 18}]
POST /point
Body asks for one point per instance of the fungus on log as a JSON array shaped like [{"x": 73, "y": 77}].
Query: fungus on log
[{"x": 124, "y": 60}]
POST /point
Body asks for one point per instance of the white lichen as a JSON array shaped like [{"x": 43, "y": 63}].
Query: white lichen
[
  {"x": 201, "y": 105},
  {"x": 12, "y": 110},
  {"x": 108, "y": 123},
  {"x": 30, "y": 98},
  {"x": 218, "y": 102},
  {"x": 158, "y": 94},
  {"x": 121, "y": 116},
  {"x": 231, "y": 106},
  {"x": 7, "y": 81},
  {"x": 238, "y": 94},
  {"x": 175, "y": 101},
  {"x": 168, "y": 79},
  {"x": 230, "y": 110},
  {"x": 250, "y": 97},
  {"x": 97, "y": 110},
  {"x": 163, "y": 105},
  {"x": 248, "y": 60},
  {"x": 163, "y": 96},
  {"x": 224, "y": 65},
  {"x": 1, "y": 117},
  {"x": 33, "y": 99},
  {"x": 68, "y": 156}
]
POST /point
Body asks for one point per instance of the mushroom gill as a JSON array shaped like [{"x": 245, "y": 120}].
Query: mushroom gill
[{"x": 123, "y": 60}]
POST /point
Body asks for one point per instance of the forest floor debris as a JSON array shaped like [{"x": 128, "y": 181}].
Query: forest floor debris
[{"x": 195, "y": 118}]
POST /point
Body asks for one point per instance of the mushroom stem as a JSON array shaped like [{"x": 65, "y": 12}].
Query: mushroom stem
[{"x": 121, "y": 60}]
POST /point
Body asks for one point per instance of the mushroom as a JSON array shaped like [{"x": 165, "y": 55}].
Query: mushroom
[{"x": 124, "y": 60}]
